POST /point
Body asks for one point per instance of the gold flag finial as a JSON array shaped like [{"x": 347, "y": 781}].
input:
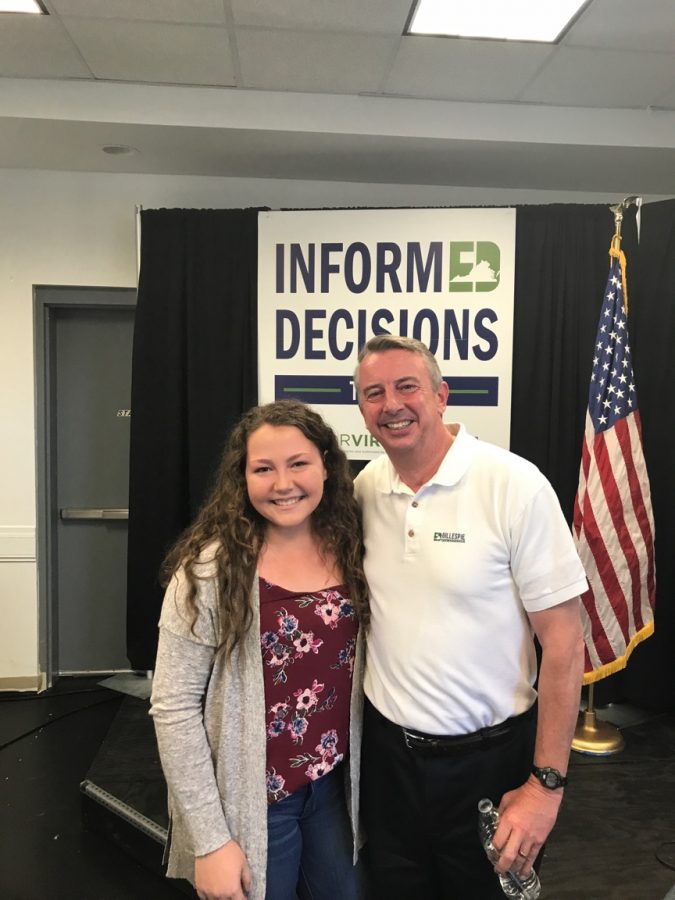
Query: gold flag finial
[
  {"x": 615, "y": 247},
  {"x": 617, "y": 211}
]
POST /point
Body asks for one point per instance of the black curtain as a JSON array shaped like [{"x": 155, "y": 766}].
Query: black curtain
[{"x": 194, "y": 372}]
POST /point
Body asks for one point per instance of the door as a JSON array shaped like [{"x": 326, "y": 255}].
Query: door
[{"x": 89, "y": 339}]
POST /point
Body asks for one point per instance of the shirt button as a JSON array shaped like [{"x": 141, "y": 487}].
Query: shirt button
[
  {"x": 411, "y": 533},
  {"x": 415, "y": 504}
]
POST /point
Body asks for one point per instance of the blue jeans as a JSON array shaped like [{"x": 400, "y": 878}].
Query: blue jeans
[{"x": 309, "y": 844}]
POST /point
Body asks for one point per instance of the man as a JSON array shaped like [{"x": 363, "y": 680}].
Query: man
[{"x": 467, "y": 554}]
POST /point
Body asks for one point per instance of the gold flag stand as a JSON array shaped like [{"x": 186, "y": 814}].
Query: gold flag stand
[{"x": 595, "y": 738}]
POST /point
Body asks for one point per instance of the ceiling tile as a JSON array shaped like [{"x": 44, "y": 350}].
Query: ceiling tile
[
  {"x": 313, "y": 61},
  {"x": 625, "y": 25},
  {"x": 602, "y": 78},
  {"x": 37, "y": 47},
  {"x": 145, "y": 52},
  {"x": 451, "y": 69},
  {"x": 367, "y": 16},
  {"x": 183, "y": 11}
]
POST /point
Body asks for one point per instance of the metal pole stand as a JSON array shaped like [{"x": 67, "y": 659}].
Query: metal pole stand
[{"x": 596, "y": 738}]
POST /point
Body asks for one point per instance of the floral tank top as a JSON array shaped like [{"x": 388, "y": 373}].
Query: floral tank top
[{"x": 308, "y": 640}]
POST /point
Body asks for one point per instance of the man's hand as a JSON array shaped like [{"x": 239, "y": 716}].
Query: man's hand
[
  {"x": 526, "y": 817},
  {"x": 223, "y": 874},
  {"x": 528, "y": 814}
]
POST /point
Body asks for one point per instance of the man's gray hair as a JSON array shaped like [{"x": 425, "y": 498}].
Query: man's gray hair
[{"x": 382, "y": 342}]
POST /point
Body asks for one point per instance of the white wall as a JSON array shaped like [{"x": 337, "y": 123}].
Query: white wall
[{"x": 62, "y": 228}]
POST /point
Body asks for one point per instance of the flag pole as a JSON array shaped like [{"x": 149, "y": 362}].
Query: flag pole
[{"x": 592, "y": 737}]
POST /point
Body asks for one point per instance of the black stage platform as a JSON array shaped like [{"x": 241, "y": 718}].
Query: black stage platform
[
  {"x": 613, "y": 841},
  {"x": 124, "y": 793}
]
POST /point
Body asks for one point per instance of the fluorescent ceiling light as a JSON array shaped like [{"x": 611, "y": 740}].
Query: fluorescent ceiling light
[
  {"x": 21, "y": 6},
  {"x": 516, "y": 20}
]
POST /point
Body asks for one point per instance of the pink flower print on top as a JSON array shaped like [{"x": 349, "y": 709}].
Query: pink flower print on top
[
  {"x": 275, "y": 785},
  {"x": 275, "y": 782},
  {"x": 327, "y": 748},
  {"x": 287, "y": 623},
  {"x": 268, "y": 640},
  {"x": 308, "y": 697},
  {"x": 318, "y": 770},
  {"x": 275, "y": 728},
  {"x": 298, "y": 727},
  {"x": 328, "y": 744},
  {"x": 306, "y": 643},
  {"x": 278, "y": 655},
  {"x": 329, "y": 612}
]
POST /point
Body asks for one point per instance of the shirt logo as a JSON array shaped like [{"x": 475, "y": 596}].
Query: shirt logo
[{"x": 450, "y": 537}]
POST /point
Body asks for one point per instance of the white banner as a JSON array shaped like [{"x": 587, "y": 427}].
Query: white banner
[{"x": 328, "y": 280}]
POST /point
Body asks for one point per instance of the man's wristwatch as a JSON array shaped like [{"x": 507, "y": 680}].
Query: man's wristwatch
[{"x": 549, "y": 778}]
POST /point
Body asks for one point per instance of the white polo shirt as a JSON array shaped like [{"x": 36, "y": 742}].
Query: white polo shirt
[{"x": 452, "y": 570}]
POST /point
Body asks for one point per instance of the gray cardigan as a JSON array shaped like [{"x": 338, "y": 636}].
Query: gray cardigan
[{"x": 214, "y": 761}]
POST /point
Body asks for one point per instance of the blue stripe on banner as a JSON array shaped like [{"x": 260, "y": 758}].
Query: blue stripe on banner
[
  {"x": 324, "y": 389},
  {"x": 339, "y": 389},
  {"x": 482, "y": 391}
]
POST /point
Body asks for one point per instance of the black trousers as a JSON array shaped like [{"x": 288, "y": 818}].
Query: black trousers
[{"x": 420, "y": 811}]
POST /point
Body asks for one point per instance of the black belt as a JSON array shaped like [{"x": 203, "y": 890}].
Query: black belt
[{"x": 438, "y": 744}]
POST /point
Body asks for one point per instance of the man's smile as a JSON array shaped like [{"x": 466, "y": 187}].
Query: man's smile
[{"x": 398, "y": 425}]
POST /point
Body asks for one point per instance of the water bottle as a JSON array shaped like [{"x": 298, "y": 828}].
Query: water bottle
[{"x": 512, "y": 884}]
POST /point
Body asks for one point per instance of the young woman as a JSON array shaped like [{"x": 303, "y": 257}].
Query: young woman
[{"x": 256, "y": 693}]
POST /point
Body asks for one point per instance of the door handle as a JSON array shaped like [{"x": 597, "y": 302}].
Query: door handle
[{"x": 99, "y": 514}]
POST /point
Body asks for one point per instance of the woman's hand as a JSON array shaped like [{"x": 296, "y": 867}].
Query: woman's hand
[{"x": 223, "y": 874}]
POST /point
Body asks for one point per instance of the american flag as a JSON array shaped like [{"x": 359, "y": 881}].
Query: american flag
[{"x": 613, "y": 520}]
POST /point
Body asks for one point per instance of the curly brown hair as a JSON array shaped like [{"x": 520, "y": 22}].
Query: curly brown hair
[{"x": 229, "y": 522}]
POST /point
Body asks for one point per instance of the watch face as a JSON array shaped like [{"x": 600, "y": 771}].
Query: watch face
[{"x": 550, "y": 778}]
